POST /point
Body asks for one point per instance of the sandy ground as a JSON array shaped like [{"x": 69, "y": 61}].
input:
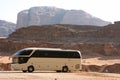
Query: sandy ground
[
  {"x": 18, "y": 75},
  {"x": 5, "y": 59},
  {"x": 101, "y": 60},
  {"x": 12, "y": 75}
]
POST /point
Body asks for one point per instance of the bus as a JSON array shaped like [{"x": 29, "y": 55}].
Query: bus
[{"x": 50, "y": 59}]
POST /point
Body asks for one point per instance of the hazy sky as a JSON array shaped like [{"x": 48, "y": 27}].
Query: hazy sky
[{"x": 108, "y": 10}]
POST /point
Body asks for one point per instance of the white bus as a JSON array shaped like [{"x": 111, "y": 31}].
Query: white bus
[{"x": 31, "y": 59}]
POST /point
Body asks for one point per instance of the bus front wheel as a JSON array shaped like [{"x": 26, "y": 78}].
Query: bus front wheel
[
  {"x": 30, "y": 68},
  {"x": 65, "y": 69}
]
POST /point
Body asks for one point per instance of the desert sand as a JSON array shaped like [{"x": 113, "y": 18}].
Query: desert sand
[
  {"x": 79, "y": 75},
  {"x": 13, "y": 75},
  {"x": 101, "y": 60}
]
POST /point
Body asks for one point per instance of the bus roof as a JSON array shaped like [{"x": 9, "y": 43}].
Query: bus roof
[{"x": 54, "y": 49}]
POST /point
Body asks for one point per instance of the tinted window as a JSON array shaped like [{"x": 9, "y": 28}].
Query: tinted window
[
  {"x": 22, "y": 52},
  {"x": 23, "y": 59},
  {"x": 75, "y": 55},
  {"x": 25, "y": 52},
  {"x": 55, "y": 54},
  {"x": 70, "y": 54},
  {"x": 39, "y": 53},
  {"x": 36, "y": 54}
]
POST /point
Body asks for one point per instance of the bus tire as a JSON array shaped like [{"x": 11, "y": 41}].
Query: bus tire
[
  {"x": 30, "y": 68},
  {"x": 65, "y": 69}
]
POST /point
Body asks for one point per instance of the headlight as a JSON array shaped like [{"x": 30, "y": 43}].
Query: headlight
[{"x": 15, "y": 60}]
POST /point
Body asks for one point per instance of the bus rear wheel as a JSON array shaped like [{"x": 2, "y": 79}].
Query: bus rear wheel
[
  {"x": 30, "y": 68},
  {"x": 65, "y": 69}
]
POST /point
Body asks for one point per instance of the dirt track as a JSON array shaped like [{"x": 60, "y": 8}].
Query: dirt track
[{"x": 13, "y": 75}]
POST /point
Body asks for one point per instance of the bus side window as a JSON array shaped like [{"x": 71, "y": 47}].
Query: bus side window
[
  {"x": 36, "y": 54},
  {"x": 46, "y": 55},
  {"x": 43, "y": 53},
  {"x": 23, "y": 59},
  {"x": 25, "y": 52},
  {"x": 73, "y": 55},
  {"x": 76, "y": 55}
]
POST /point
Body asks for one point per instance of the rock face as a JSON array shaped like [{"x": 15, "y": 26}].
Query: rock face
[
  {"x": 88, "y": 39},
  {"x": 52, "y": 15},
  {"x": 71, "y": 33},
  {"x": 79, "y": 17},
  {"x": 6, "y": 28}
]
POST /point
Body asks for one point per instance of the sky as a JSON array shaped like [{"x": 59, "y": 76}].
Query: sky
[{"x": 108, "y": 10}]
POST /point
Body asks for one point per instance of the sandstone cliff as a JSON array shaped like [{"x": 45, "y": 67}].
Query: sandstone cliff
[
  {"x": 52, "y": 15},
  {"x": 90, "y": 40}
]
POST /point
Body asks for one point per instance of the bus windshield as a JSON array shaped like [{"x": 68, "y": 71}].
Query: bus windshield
[{"x": 22, "y": 52}]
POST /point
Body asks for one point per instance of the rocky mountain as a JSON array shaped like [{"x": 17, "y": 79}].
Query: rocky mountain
[
  {"x": 51, "y": 15},
  {"x": 6, "y": 28},
  {"x": 90, "y": 40},
  {"x": 69, "y": 33}
]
